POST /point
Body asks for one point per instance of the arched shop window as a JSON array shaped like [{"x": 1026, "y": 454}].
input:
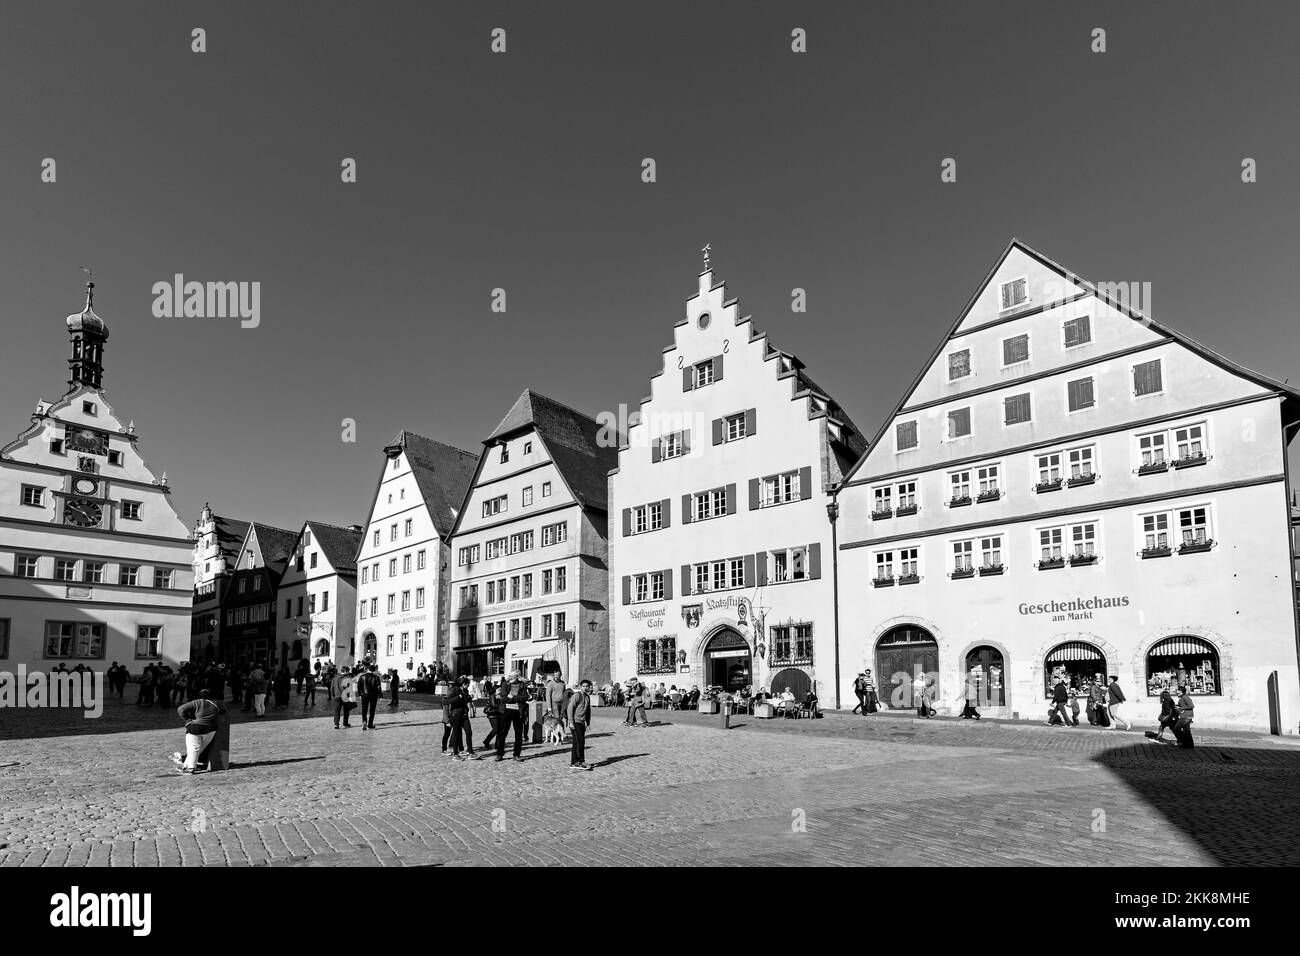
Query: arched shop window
[
  {"x": 322, "y": 648},
  {"x": 1073, "y": 662},
  {"x": 1183, "y": 661},
  {"x": 984, "y": 670}
]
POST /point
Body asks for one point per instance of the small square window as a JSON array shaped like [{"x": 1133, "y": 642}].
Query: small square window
[
  {"x": 33, "y": 495},
  {"x": 1016, "y": 409},
  {"x": 89, "y": 408},
  {"x": 1078, "y": 332},
  {"x": 546, "y": 489},
  {"x": 1015, "y": 350},
  {"x": 1014, "y": 293},
  {"x": 115, "y": 458},
  {"x": 131, "y": 510},
  {"x": 958, "y": 365},
  {"x": 1079, "y": 394},
  {"x": 1148, "y": 378},
  {"x": 905, "y": 435},
  {"x": 958, "y": 423}
]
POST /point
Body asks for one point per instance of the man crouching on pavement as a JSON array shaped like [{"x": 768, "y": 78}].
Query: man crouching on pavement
[{"x": 202, "y": 717}]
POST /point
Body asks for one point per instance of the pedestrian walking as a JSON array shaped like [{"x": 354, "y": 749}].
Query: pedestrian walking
[
  {"x": 1168, "y": 716},
  {"x": 860, "y": 691},
  {"x": 258, "y": 686},
  {"x": 492, "y": 711},
  {"x": 1183, "y": 725},
  {"x": 394, "y": 682},
  {"x": 920, "y": 691},
  {"x": 147, "y": 680},
  {"x": 1060, "y": 705},
  {"x": 309, "y": 690},
  {"x": 1116, "y": 698},
  {"x": 578, "y": 715},
  {"x": 555, "y": 698},
  {"x": 300, "y": 675},
  {"x": 237, "y": 685},
  {"x": 513, "y": 695},
  {"x": 343, "y": 695}
]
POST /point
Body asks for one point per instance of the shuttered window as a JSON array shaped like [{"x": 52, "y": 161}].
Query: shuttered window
[
  {"x": 1013, "y": 293},
  {"x": 1080, "y": 394},
  {"x": 959, "y": 423},
  {"x": 1078, "y": 331},
  {"x": 1015, "y": 349},
  {"x": 1016, "y": 409},
  {"x": 1148, "y": 378},
  {"x": 958, "y": 365},
  {"x": 905, "y": 435}
]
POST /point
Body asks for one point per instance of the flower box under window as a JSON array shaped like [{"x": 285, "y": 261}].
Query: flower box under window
[
  {"x": 963, "y": 573},
  {"x": 908, "y": 578},
  {"x": 1154, "y": 468},
  {"x": 1083, "y": 557},
  {"x": 993, "y": 495},
  {"x": 884, "y": 581},
  {"x": 988, "y": 570},
  {"x": 1045, "y": 486},
  {"x": 1080, "y": 480},
  {"x": 1191, "y": 461},
  {"x": 1196, "y": 547},
  {"x": 1156, "y": 553},
  {"x": 904, "y": 510},
  {"x": 959, "y": 502},
  {"x": 881, "y": 513},
  {"x": 1047, "y": 564}
]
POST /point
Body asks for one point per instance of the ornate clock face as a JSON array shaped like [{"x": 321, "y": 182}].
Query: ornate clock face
[
  {"x": 85, "y": 486},
  {"x": 83, "y": 514}
]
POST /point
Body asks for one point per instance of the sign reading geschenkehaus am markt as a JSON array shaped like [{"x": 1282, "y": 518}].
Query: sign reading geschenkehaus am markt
[
  {"x": 95, "y": 563},
  {"x": 1070, "y": 490}
]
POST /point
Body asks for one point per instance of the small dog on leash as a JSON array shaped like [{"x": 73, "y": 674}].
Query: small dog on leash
[{"x": 552, "y": 729}]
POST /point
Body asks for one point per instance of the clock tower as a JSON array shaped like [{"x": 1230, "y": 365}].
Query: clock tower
[{"x": 95, "y": 563}]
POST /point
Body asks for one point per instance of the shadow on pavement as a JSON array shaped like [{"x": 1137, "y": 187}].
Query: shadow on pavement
[
  {"x": 620, "y": 757},
  {"x": 273, "y": 763},
  {"x": 1256, "y": 815}
]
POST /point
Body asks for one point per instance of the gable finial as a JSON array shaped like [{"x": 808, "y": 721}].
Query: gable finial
[
  {"x": 90, "y": 285},
  {"x": 705, "y": 250}
]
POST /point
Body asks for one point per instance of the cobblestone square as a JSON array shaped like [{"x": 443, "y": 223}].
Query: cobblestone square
[{"x": 844, "y": 790}]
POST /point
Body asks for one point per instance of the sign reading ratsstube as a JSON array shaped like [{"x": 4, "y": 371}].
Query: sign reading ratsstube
[{"x": 1075, "y": 609}]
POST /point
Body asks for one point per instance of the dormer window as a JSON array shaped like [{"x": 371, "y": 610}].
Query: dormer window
[
  {"x": 115, "y": 458},
  {"x": 505, "y": 454},
  {"x": 89, "y": 408},
  {"x": 528, "y": 448},
  {"x": 1014, "y": 293}
]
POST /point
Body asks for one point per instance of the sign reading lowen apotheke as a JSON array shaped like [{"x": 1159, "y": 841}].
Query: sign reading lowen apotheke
[{"x": 1075, "y": 609}]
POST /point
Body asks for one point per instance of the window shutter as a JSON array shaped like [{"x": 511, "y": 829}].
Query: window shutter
[
  {"x": 668, "y": 584},
  {"x": 717, "y": 368},
  {"x": 686, "y": 580},
  {"x": 753, "y": 494},
  {"x": 731, "y": 499},
  {"x": 751, "y": 421},
  {"x": 1146, "y": 378},
  {"x": 688, "y": 513},
  {"x": 688, "y": 378},
  {"x": 656, "y": 452},
  {"x": 686, "y": 442},
  {"x": 666, "y": 513},
  {"x": 805, "y": 483},
  {"x": 627, "y": 522},
  {"x": 749, "y": 570},
  {"x": 719, "y": 431},
  {"x": 760, "y": 568},
  {"x": 814, "y": 561},
  {"x": 627, "y": 589}
]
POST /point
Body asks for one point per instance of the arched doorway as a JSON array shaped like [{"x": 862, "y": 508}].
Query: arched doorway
[
  {"x": 796, "y": 679},
  {"x": 902, "y": 654},
  {"x": 1073, "y": 662},
  {"x": 371, "y": 647},
  {"x": 985, "y": 671},
  {"x": 322, "y": 648},
  {"x": 726, "y": 660}
]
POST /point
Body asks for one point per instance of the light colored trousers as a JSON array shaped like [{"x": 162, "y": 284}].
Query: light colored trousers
[
  {"x": 194, "y": 744},
  {"x": 259, "y": 704}
]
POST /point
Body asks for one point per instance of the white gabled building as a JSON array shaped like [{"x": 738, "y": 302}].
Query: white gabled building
[
  {"x": 94, "y": 560},
  {"x": 1068, "y": 490},
  {"x": 720, "y": 541},
  {"x": 317, "y": 596},
  {"x": 402, "y": 565},
  {"x": 530, "y": 580}
]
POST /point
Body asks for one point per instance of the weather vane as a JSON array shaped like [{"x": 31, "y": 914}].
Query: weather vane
[{"x": 705, "y": 250}]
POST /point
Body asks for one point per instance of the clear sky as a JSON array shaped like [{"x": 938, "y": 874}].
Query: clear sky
[{"x": 523, "y": 171}]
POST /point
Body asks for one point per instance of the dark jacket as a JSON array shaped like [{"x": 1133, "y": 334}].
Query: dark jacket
[
  {"x": 368, "y": 685},
  {"x": 1116, "y": 695},
  {"x": 1059, "y": 694},
  {"x": 513, "y": 692},
  {"x": 202, "y": 716},
  {"x": 579, "y": 711}
]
